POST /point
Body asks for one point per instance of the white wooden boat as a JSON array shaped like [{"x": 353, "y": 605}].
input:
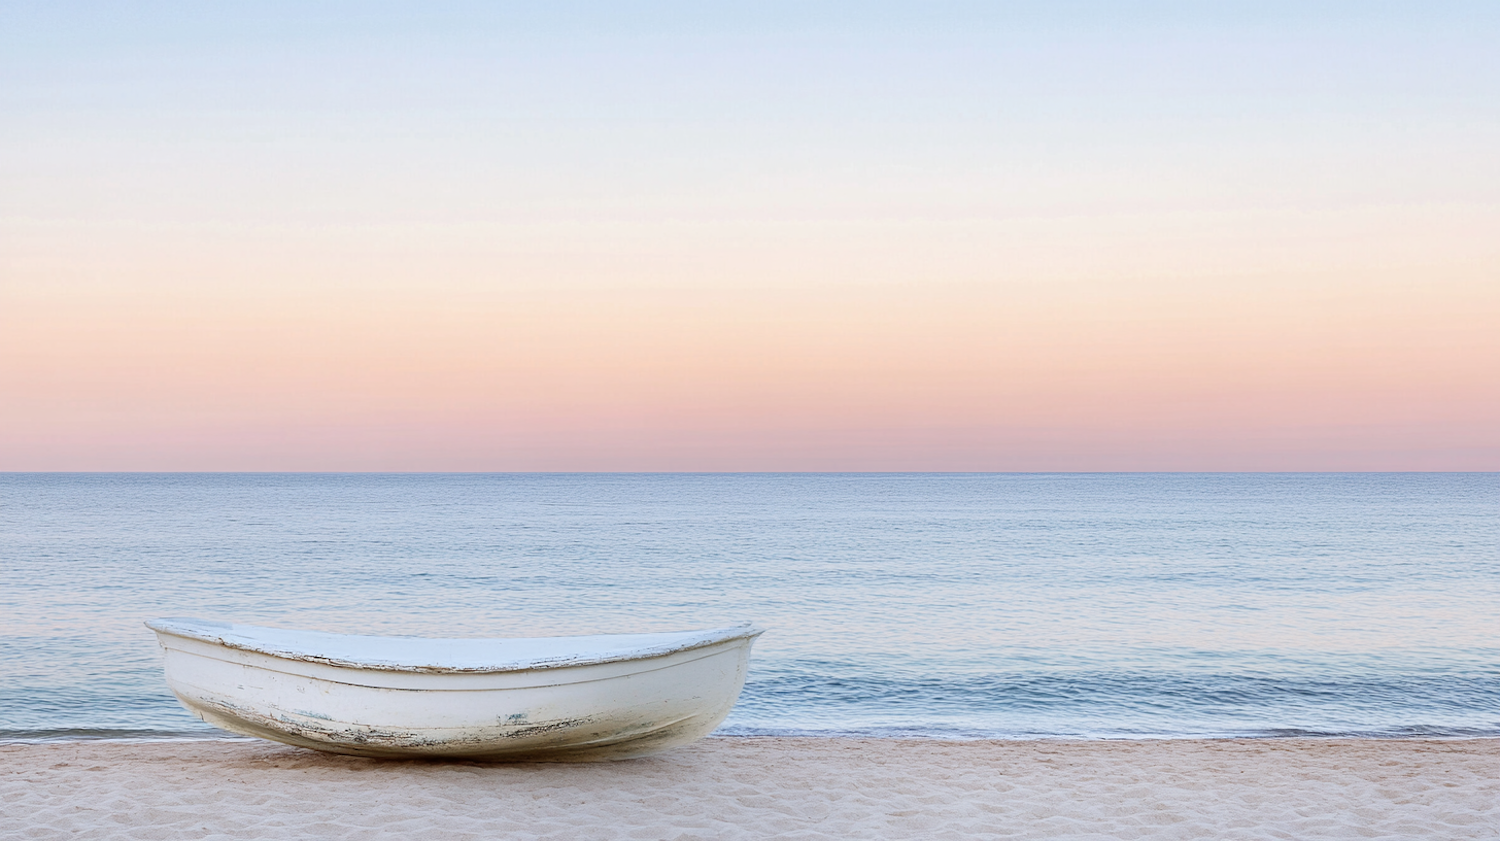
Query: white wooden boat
[{"x": 559, "y": 698}]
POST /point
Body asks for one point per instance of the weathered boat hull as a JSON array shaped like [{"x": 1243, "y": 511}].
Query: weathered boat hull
[{"x": 617, "y": 709}]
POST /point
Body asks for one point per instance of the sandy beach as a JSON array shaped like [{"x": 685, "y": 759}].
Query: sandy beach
[{"x": 767, "y": 788}]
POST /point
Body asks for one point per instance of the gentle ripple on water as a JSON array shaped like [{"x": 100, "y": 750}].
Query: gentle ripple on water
[{"x": 946, "y": 605}]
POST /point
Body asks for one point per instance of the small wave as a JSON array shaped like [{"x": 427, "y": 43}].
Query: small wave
[
  {"x": 834, "y": 699},
  {"x": 76, "y": 734},
  {"x": 919, "y": 733}
]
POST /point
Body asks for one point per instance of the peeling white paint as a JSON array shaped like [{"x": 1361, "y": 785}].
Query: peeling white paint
[{"x": 561, "y": 698}]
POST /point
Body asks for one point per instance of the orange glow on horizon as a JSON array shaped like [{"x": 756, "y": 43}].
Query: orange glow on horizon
[{"x": 512, "y": 363}]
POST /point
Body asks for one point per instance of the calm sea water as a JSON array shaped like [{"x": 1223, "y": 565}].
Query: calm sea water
[{"x": 944, "y": 605}]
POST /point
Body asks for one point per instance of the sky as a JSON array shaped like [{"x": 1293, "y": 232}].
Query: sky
[{"x": 763, "y": 236}]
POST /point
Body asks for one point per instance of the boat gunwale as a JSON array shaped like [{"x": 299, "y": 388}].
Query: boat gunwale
[{"x": 196, "y": 630}]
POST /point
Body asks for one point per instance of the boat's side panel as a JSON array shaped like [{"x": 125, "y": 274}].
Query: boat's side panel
[
  {"x": 609, "y": 710},
  {"x": 420, "y": 680},
  {"x": 441, "y": 656}
]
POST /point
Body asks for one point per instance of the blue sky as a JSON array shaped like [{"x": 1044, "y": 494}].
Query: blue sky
[{"x": 821, "y": 236}]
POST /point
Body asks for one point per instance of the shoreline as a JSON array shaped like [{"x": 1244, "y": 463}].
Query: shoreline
[
  {"x": 769, "y": 786},
  {"x": 85, "y": 737}
]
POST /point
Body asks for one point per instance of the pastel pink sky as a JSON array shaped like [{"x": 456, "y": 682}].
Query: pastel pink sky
[{"x": 766, "y": 247}]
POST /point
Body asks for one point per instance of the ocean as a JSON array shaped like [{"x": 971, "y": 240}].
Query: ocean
[{"x": 919, "y": 605}]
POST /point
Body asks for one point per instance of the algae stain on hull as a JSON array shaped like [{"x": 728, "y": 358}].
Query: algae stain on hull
[{"x": 573, "y": 740}]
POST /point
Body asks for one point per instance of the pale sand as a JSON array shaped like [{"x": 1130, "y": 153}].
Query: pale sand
[{"x": 767, "y": 788}]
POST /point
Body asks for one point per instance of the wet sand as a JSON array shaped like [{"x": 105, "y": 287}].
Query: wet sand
[{"x": 767, "y": 788}]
